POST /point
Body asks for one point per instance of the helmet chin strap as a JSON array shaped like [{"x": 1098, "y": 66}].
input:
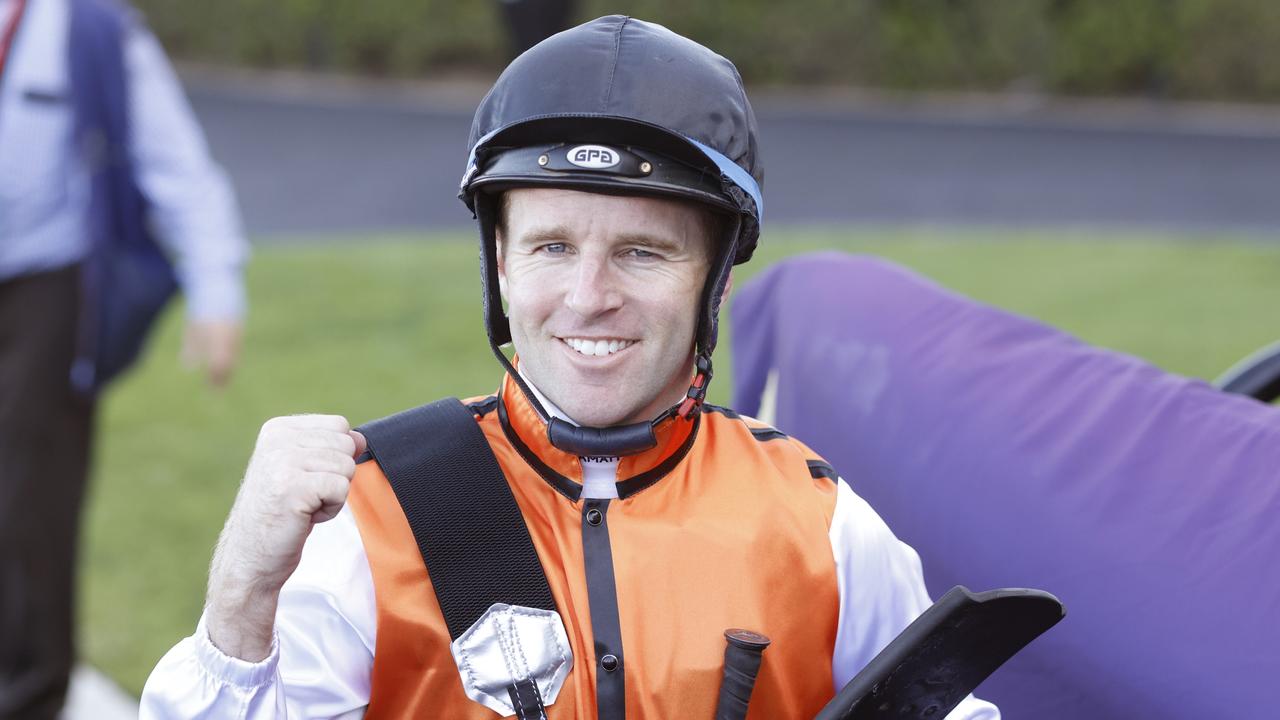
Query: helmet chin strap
[
  {"x": 618, "y": 440},
  {"x": 579, "y": 439},
  {"x": 698, "y": 389}
]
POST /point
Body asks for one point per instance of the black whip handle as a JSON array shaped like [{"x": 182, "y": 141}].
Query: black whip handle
[{"x": 742, "y": 657}]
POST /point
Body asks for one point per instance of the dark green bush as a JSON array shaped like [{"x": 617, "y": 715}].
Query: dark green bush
[
  {"x": 1175, "y": 48},
  {"x": 1114, "y": 47},
  {"x": 1227, "y": 49},
  {"x": 382, "y": 37}
]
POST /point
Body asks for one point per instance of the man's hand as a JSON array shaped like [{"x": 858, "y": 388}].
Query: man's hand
[
  {"x": 214, "y": 346},
  {"x": 298, "y": 476}
]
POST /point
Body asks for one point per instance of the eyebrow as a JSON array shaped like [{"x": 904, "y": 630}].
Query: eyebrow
[
  {"x": 538, "y": 236},
  {"x": 652, "y": 241}
]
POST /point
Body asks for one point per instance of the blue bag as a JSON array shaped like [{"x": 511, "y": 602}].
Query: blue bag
[{"x": 127, "y": 277}]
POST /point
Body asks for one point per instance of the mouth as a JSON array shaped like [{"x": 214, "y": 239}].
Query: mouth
[{"x": 597, "y": 347}]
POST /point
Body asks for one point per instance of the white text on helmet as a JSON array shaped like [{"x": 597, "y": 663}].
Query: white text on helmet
[{"x": 593, "y": 157}]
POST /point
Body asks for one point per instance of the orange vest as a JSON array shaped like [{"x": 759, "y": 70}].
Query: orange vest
[{"x": 723, "y": 525}]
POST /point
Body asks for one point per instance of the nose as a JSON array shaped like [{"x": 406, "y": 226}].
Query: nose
[{"x": 594, "y": 290}]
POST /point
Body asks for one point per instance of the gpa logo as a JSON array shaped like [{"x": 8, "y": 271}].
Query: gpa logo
[{"x": 593, "y": 157}]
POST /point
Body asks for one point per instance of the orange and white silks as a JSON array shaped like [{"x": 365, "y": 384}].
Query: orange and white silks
[{"x": 718, "y": 527}]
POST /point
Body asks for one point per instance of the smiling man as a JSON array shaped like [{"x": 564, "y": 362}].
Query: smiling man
[
  {"x": 578, "y": 544},
  {"x": 603, "y": 293}
]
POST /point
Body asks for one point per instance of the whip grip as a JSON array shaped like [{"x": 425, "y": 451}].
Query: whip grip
[{"x": 742, "y": 657}]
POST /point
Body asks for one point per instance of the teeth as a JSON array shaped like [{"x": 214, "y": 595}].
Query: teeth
[{"x": 597, "y": 348}]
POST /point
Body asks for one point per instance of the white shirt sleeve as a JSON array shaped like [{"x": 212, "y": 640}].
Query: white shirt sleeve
[
  {"x": 321, "y": 656},
  {"x": 192, "y": 207},
  {"x": 881, "y": 591}
]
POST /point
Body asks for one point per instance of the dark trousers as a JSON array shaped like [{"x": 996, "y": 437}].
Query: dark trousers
[{"x": 44, "y": 452}]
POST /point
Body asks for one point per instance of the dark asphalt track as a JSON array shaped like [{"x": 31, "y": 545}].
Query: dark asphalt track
[{"x": 335, "y": 160}]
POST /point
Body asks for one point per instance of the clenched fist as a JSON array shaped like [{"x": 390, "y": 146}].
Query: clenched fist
[{"x": 298, "y": 476}]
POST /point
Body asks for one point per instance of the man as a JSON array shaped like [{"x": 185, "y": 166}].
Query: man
[
  {"x": 615, "y": 177},
  {"x": 96, "y": 144}
]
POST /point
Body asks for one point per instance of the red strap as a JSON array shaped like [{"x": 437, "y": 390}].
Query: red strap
[
  {"x": 694, "y": 397},
  {"x": 9, "y": 30}
]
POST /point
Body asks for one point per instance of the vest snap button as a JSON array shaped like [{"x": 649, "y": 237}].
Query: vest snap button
[
  {"x": 609, "y": 663},
  {"x": 594, "y": 518}
]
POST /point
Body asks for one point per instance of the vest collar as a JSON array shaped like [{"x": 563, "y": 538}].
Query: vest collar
[{"x": 563, "y": 471}]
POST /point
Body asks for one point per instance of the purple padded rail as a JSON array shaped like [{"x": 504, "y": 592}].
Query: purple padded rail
[{"x": 1009, "y": 453}]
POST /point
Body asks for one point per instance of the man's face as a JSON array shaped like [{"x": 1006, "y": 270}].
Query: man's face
[{"x": 603, "y": 294}]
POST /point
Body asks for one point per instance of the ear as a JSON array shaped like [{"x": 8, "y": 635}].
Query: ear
[
  {"x": 728, "y": 287},
  {"x": 502, "y": 266}
]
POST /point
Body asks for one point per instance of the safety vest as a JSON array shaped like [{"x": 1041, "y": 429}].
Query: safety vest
[{"x": 723, "y": 525}]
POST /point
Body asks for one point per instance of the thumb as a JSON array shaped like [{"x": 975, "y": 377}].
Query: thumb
[{"x": 361, "y": 443}]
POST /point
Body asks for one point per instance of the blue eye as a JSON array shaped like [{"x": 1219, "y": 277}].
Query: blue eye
[
  {"x": 554, "y": 248},
  {"x": 642, "y": 253}
]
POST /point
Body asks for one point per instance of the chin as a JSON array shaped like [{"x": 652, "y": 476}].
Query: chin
[
  {"x": 604, "y": 407},
  {"x": 599, "y": 409},
  {"x": 595, "y": 417}
]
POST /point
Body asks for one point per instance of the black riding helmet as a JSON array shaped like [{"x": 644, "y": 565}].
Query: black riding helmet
[{"x": 619, "y": 106}]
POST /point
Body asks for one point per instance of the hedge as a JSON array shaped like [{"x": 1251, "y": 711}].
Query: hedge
[{"x": 1208, "y": 49}]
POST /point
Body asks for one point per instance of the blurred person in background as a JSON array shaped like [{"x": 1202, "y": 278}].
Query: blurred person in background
[
  {"x": 529, "y": 22},
  {"x": 99, "y": 153}
]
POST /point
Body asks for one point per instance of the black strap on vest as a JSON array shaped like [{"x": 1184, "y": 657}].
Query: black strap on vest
[{"x": 469, "y": 529}]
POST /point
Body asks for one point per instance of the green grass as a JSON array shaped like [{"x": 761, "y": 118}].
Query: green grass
[{"x": 375, "y": 325}]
